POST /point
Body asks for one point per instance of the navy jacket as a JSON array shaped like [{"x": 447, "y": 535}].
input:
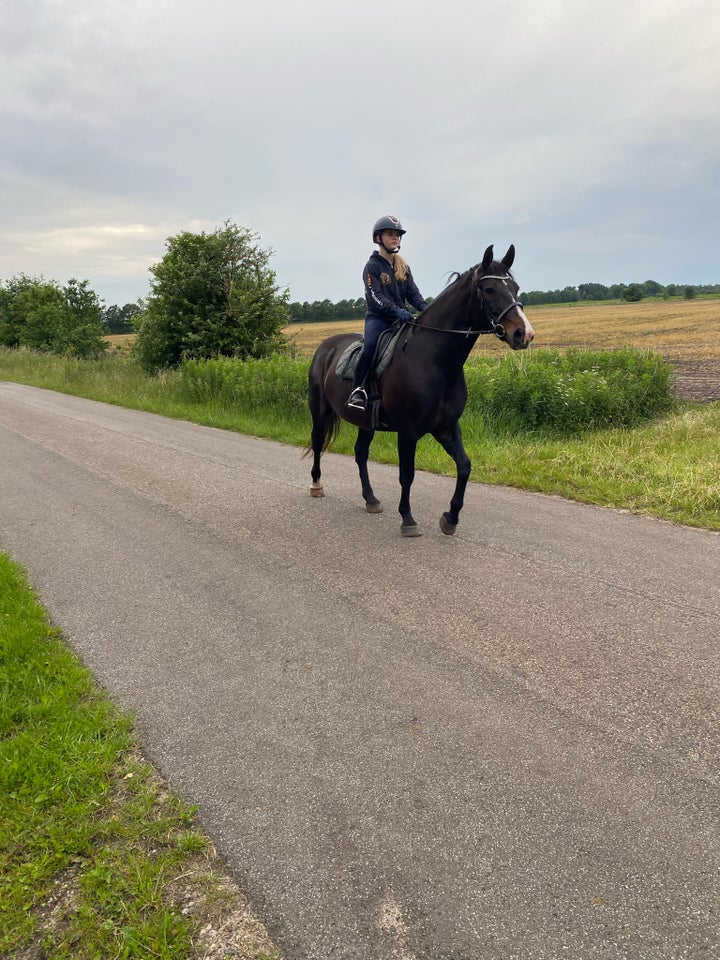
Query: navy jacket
[{"x": 385, "y": 296}]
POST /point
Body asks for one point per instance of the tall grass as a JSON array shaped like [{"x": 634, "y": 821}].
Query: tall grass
[
  {"x": 553, "y": 392},
  {"x": 279, "y": 383},
  {"x": 568, "y": 393},
  {"x": 588, "y": 425}
]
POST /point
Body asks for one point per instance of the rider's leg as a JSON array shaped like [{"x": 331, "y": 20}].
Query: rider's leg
[{"x": 358, "y": 397}]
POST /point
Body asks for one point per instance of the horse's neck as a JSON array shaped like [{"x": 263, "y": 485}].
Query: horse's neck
[
  {"x": 455, "y": 309},
  {"x": 450, "y": 312},
  {"x": 452, "y": 309}
]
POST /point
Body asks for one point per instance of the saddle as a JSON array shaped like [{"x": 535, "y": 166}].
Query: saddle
[
  {"x": 387, "y": 341},
  {"x": 384, "y": 351}
]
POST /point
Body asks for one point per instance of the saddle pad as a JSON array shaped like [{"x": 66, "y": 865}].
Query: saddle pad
[{"x": 345, "y": 367}]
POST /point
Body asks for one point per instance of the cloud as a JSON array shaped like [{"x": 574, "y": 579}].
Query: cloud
[{"x": 586, "y": 134}]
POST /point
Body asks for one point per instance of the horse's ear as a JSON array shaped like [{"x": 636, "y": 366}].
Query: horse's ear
[
  {"x": 487, "y": 258},
  {"x": 507, "y": 260}
]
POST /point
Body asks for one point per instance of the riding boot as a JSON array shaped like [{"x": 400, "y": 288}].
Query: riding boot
[{"x": 358, "y": 397}]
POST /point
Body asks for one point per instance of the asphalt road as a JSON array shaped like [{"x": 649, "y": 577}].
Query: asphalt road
[{"x": 498, "y": 745}]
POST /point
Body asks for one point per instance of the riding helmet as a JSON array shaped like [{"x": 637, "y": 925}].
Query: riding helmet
[{"x": 387, "y": 223}]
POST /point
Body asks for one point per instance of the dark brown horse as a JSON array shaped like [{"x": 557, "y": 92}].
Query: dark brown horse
[{"x": 423, "y": 389}]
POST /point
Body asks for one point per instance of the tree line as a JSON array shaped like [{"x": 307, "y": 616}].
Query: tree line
[
  {"x": 322, "y": 311},
  {"x": 632, "y": 292}
]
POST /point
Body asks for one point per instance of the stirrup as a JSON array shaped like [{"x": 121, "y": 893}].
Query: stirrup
[{"x": 358, "y": 399}]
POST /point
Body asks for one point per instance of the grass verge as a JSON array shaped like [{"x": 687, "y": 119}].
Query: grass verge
[{"x": 97, "y": 858}]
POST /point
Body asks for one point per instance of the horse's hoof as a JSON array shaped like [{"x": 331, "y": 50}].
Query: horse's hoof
[
  {"x": 410, "y": 530},
  {"x": 447, "y": 527},
  {"x": 373, "y": 506},
  {"x": 316, "y": 490}
]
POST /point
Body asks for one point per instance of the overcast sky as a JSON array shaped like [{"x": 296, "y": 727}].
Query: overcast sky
[{"x": 586, "y": 132}]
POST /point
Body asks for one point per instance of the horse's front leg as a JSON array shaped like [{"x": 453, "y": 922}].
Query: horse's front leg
[
  {"x": 451, "y": 440},
  {"x": 406, "y": 455},
  {"x": 362, "y": 449}
]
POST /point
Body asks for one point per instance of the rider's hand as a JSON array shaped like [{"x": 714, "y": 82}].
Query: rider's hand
[{"x": 404, "y": 315}]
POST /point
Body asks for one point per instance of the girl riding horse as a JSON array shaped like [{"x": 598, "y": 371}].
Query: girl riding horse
[{"x": 389, "y": 287}]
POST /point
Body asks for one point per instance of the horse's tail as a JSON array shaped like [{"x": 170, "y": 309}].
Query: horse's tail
[
  {"x": 325, "y": 432},
  {"x": 331, "y": 428},
  {"x": 326, "y": 422}
]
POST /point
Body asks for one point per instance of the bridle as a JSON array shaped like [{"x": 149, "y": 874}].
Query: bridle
[
  {"x": 494, "y": 320},
  {"x": 496, "y": 326}
]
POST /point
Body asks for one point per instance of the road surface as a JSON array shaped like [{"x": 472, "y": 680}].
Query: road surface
[{"x": 498, "y": 745}]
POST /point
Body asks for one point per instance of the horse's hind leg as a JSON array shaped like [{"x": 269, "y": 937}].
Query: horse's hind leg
[
  {"x": 322, "y": 417},
  {"x": 316, "y": 445},
  {"x": 362, "y": 450}
]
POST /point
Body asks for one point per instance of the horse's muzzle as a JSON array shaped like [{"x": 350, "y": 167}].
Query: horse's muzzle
[{"x": 523, "y": 335}]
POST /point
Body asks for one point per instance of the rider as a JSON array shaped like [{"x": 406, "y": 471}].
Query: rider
[{"x": 389, "y": 285}]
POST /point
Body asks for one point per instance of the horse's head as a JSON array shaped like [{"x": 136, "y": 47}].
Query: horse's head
[{"x": 497, "y": 291}]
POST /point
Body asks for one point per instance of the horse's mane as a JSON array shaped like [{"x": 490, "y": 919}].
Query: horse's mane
[{"x": 455, "y": 280}]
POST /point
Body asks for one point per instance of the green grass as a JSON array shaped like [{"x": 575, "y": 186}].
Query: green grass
[
  {"x": 665, "y": 467},
  {"x": 92, "y": 845}
]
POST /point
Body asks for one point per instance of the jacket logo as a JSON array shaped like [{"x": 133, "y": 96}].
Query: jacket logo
[{"x": 386, "y": 278}]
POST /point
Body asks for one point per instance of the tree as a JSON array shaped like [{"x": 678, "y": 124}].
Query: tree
[
  {"x": 632, "y": 293},
  {"x": 82, "y": 333},
  {"x": 29, "y": 312},
  {"x": 593, "y": 291},
  {"x": 120, "y": 319},
  {"x": 211, "y": 295},
  {"x": 39, "y": 314},
  {"x": 651, "y": 288}
]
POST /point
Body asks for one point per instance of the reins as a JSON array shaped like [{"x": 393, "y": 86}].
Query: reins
[{"x": 496, "y": 326}]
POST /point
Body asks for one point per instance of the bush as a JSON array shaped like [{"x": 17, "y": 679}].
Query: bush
[
  {"x": 571, "y": 391},
  {"x": 40, "y": 315}
]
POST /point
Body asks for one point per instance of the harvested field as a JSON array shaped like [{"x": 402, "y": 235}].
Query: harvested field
[
  {"x": 120, "y": 342},
  {"x": 698, "y": 380}
]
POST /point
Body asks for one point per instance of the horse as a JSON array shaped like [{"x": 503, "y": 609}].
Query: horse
[{"x": 423, "y": 389}]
